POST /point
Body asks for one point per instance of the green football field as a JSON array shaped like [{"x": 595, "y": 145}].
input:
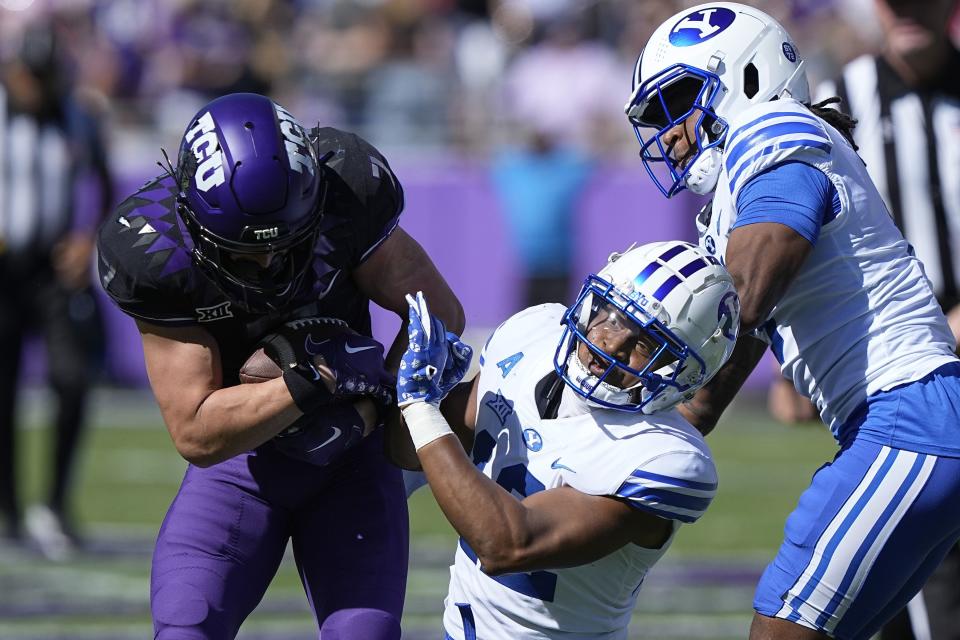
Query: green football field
[{"x": 129, "y": 472}]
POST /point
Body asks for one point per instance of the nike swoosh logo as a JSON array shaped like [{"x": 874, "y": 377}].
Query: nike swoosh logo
[
  {"x": 350, "y": 349},
  {"x": 311, "y": 368},
  {"x": 556, "y": 465},
  {"x": 336, "y": 434},
  {"x": 311, "y": 346}
]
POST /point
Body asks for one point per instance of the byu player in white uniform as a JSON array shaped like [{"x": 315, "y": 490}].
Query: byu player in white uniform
[
  {"x": 720, "y": 104},
  {"x": 581, "y": 468}
]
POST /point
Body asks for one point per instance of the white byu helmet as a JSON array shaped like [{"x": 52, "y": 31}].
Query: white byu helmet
[
  {"x": 673, "y": 294},
  {"x": 716, "y": 59}
]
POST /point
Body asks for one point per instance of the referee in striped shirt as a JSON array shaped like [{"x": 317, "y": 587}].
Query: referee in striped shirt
[
  {"x": 46, "y": 138},
  {"x": 907, "y": 105}
]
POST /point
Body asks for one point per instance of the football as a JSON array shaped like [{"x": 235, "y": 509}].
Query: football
[{"x": 260, "y": 367}]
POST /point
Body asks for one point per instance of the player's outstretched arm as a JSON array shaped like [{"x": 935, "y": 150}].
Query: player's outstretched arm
[
  {"x": 459, "y": 409},
  {"x": 763, "y": 258},
  {"x": 208, "y": 423},
  {"x": 551, "y": 529}
]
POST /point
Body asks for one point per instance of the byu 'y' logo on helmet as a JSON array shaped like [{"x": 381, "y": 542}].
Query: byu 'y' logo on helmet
[{"x": 700, "y": 26}]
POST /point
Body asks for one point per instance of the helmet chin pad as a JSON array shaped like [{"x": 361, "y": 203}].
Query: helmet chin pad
[
  {"x": 596, "y": 392},
  {"x": 704, "y": 172}
]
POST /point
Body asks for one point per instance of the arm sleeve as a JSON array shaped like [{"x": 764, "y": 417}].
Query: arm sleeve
[
  {"x": 674, "y": 485},
  {"x": 794, "y": 194}
]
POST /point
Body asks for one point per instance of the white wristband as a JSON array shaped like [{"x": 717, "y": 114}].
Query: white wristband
[{"x": 425, "y": 423}]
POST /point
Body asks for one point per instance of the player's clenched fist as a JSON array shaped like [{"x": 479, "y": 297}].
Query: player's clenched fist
[{"x": 323, "y": 361}]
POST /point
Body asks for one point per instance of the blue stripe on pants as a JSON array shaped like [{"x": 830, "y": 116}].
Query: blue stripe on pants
[{"x": 469, "y": 626}]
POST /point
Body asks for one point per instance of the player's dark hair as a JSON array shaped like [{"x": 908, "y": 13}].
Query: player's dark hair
[{"x": 839, "y": 120}]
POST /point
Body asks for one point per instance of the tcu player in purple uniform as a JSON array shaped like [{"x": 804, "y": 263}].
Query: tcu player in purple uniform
[{"x": 261, "y": 223}]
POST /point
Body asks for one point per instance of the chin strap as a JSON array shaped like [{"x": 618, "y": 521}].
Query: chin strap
[{"x": 704, "y": 172}]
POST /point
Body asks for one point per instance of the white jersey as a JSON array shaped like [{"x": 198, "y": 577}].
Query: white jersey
[
  {"x": 860, "y": 316},
  {"x": 658, "y": 462}
]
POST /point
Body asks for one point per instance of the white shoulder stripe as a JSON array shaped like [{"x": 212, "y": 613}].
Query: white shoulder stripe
[
  {"x": 770, "y": 139},
  {"x": 673, "y": 498}
]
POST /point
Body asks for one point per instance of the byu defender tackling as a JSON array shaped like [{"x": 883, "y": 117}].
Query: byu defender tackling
[
  {"x": 581, "y": 470},
  {"x": 720, "y": 104}
]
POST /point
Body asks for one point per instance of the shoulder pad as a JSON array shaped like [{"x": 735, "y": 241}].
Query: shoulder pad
[
  {"x": 769, "y": 134},
  {"x": 364, "y": 193},
  {"x": 144, "y": 265},
  {"x": 522, "y": 328}
]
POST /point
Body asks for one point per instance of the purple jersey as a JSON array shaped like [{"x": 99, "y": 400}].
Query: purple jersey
[
  {"x": 147, "y": 269},
  {"x": 226, "y": 531}
]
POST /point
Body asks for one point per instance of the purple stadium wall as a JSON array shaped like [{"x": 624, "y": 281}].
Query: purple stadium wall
[{"x": 452, "y": 210}]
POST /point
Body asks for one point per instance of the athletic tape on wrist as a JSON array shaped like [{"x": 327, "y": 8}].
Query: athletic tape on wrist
[{"x": 425, "y": 423}]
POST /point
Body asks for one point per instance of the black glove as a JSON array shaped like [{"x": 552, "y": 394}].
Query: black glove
[
  {"x": 356, "y": 361},
  {"x": 320, "y": 437}
]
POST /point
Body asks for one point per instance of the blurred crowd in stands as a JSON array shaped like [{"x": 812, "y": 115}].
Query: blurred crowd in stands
[
  {"x": 527, "y": 93},
  {"x": 413, "y": 76}
]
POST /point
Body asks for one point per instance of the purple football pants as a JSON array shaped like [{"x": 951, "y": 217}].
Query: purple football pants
[{"x": 225, "y": 533}]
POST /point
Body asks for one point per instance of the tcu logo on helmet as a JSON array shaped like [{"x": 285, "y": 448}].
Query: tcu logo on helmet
[
  {"x": 203, "y": 141},
  {"x": 266, "y": 234},
  {"x": 700, "y": 26},
  {"x": 295, "y": 141}
]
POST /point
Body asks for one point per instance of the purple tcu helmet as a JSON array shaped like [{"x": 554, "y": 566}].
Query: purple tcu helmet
[{"x": 251, "y": 196}]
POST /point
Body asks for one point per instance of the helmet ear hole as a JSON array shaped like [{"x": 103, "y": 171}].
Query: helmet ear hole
[{"x": 751, "y": 80}]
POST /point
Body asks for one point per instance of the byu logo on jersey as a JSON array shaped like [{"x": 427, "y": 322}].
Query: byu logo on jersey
[
  {"x": 700, "y": 26},
  {"x": 710, "y": 245},
  {"x": 206, "y": 147},
  {"x": 532, "y": 439}
]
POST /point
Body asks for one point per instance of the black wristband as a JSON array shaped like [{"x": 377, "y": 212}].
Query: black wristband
[{"x": 308, "y": 392}]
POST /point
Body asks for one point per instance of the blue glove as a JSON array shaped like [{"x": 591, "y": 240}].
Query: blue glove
[
  {"x": 459, "y": 356},
  {"x": 435, "y": 361},
  {"x": 426, "y": 357}
]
